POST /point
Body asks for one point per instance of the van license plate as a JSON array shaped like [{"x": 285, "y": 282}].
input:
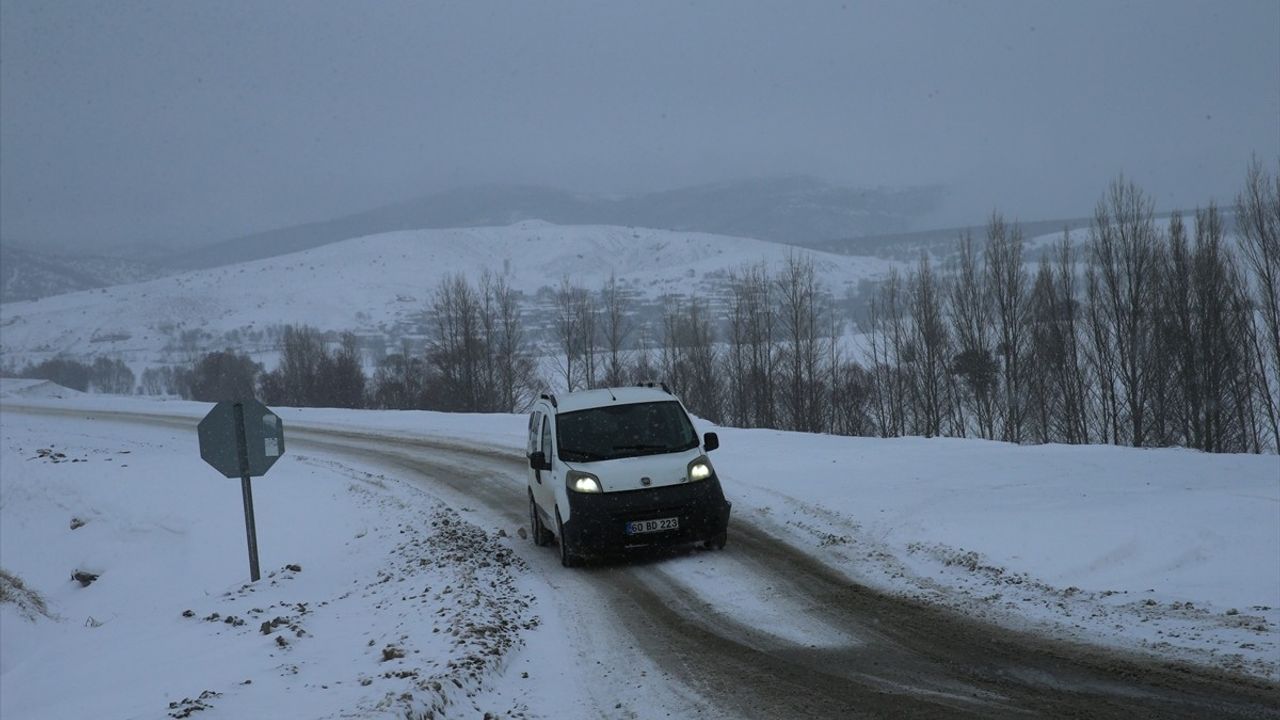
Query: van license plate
[{"x": 647, "y": 526}]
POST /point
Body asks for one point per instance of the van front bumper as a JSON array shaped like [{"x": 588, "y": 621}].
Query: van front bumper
[{"x": 598, "y": 521}]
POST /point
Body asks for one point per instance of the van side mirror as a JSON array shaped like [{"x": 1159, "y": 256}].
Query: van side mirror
[
  {"x": 710, "y": 441},
  {"x": 538, "y": 461}
]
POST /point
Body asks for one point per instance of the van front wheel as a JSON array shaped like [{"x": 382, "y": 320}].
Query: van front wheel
[
  {"x": 567, "y": 556},
  {"x": 717, "y": 541},
  {"x": 541, "y": 535}
]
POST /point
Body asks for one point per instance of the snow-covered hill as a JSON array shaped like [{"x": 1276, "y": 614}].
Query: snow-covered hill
[
  {"x": 788, "y": 209},
  {"x": 375, "y": 284}
]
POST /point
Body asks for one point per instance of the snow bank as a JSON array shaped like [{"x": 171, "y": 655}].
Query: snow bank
[
  {"x": 31, "y": 389},
  {"x": 1168, "y": 550},
  {"x": 375, "y": 600}
]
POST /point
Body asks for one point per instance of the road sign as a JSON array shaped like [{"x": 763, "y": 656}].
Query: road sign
[
  {"x": 242, "y": 439},
  {"x": 263, "y": 435}
]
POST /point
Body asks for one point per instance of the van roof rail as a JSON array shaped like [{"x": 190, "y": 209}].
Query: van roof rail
[
  {"x": 655, "y": 385},
  {"x": 551, "y": 399}
]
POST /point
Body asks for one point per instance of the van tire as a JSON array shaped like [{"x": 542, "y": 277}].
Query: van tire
[
  {"x": 717, "y": 541},
  {"x": 541, "y": 535},
  {"x": 568, "y": 557}
]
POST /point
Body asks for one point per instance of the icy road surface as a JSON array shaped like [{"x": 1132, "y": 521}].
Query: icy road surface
[{"x": 395, "y": 581}]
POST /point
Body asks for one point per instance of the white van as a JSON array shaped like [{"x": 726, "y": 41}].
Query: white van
[{"x": 618, "y": 468}]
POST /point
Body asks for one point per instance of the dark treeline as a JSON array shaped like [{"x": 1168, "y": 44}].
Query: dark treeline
[
  {"x": 476, "y": 360},
  {"x": 104, "y": 375}
]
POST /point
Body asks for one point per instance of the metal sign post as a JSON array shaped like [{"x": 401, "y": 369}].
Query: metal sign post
[
  {"x": 246, "y": 489},
  {"x": 242, "y": 439}
]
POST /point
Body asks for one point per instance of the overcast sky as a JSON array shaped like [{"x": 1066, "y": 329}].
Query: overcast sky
[{"x": 193, "y": 121}]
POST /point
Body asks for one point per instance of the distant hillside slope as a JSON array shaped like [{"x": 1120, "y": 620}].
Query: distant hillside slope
[
  {"x": 380, "y": 285},
  {"x": 28, "y": 275},
  {"x": 941, "y": 242},
  {"x": 796, "y": 210}
]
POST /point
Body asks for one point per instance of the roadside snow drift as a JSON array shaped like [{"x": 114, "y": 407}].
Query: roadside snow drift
[{"x": 372, "y": 600}]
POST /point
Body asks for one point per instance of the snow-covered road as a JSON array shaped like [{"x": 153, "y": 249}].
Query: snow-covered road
[{"x": 407, "y": 542}]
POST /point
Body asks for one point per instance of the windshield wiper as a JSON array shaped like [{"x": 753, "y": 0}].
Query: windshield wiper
[
  {"x": 582, "y": 455},
  {"x": 640, "y": 448}
]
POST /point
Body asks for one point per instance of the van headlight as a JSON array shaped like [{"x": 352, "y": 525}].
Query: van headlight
[
  {"x": 700, "y": 469},
  {"x": 582, "y": 482}
]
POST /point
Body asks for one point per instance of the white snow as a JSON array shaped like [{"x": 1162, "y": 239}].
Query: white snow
[
  {"x": 1171, "y": 552},
  {"x": 383, "y": 561}
]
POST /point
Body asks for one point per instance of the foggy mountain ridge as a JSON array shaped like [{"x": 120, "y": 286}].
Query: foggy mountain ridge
[
  {"x": 907, "y": 246},
  {"x": 791, "y": 209},
  {"x": 28, "y": 275}
]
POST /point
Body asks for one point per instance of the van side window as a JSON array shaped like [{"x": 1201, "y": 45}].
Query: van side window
[
  {"x": 546, "y": 438},
  {"x": 534, "y": 419}
]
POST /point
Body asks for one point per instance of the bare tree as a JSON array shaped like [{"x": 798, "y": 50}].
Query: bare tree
[
  {"x": 1007, "y": 282},
  {"x": 892, "y": 351},
  {"x": 454, "y": 353},
  {"x": 617, "y": 327},
  {"x": 642, "y": 365},
  {"x": 569, "y": 332},
  {"x": 753, "y": 346},
  {"x": 1258, "y": 218},
  {"x": 477, "y": 359},
  {"x": 737, "y": 357},
  {"x": 878, "y": 355},
  {"x": 516, "y": 371},
  {"x": 931, "y": 347},
  {"x": 294, "y": 382},
  {"x": 487, "y": 392},
  {"x": 341, "y": 376},
  {"x": 585, "y": 309},
  {"x": 1045, "y": 355},
  {"x": 399, "y": 382},
  {"x": 851, "y": 393},
  {"x": 800, "y": 315},
  {"x": 111, "y": 375},
  {"x": 695, "y": 361},
  {"x": 1123, "y": 256},
  {"x": 1100, "y": 352},
  {"x": 1204, "y": 326},
  {"x": 670, "y": 355},
  {"x": 971, "y": 326},
  {"x": 1072, "y": 376}
]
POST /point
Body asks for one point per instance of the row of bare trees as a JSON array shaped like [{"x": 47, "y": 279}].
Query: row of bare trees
[
  {"x": 1148, "y": 336},
  {"x": 1144, "y": 334},
  {"x": 477, "y": 357},
  {"x": 765, "y": 356},
  {"x": 103, "y": 375},
  {"x": 309, "y": 372}
]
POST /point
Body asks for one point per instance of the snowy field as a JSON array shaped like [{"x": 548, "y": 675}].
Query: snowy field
[{"x": 383, "y": 594}]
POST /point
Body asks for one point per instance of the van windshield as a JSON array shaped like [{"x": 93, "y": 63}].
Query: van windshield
[{"x": 618, "y": 431}]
